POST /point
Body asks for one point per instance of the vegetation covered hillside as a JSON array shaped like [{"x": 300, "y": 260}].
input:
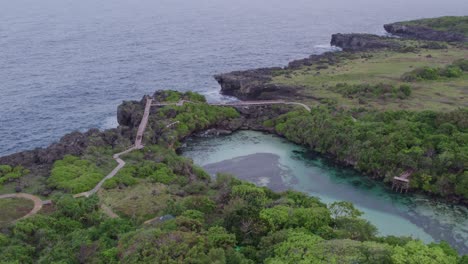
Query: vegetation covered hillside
[
  {"x": 161, "y": 208},
  {"x": 383, "y": 106}
]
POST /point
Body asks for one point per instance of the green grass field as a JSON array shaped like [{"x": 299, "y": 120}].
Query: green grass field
[
  {"x": 385, "y": 67},
  {"x": 12, "y": 209}
]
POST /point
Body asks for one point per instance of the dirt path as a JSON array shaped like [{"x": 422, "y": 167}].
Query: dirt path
[{"x": 37, "y": 202}]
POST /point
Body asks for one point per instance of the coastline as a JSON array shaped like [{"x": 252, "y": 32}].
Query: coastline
[{"x": 250, "y": 84}]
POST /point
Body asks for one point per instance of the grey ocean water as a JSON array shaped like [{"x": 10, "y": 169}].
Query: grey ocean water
[{"x": 66, "y": 65}]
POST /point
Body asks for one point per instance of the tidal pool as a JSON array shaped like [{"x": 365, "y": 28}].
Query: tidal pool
[{"x": 268, "y": 160}]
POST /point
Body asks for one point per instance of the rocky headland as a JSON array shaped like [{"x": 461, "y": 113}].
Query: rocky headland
[
  {"x": 258, "y": 83},
  {"x": 449, "y": 29}
]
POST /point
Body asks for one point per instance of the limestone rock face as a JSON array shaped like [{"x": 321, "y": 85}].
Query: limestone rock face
[
  {"x": 251, "y": 84},
  {"x": 129, "y": 113},
  {"x": 357, "y": 42},
  {"x": 424, "y": 33},
  {"x": 74, "y": 143}
]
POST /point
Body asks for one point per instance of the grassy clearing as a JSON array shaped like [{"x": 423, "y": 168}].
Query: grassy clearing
[
  {"x": 31, "y": 183},
  {"x": 385, "y": 67},
  {"x": 140, "y": 202},
  {"x": 12, "y": 209}
]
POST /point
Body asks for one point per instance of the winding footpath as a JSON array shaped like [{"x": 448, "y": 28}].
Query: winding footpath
[
  {"x": 241, "y": 103},
  {"x": 38, "y": 203},
  {"x": 36, "y": 200},
  {"x": 265, "y": 102}
]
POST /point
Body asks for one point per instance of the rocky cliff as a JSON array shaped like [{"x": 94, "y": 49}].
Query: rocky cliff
[
  {"x": 74, "y": 143},
  {"x": 359, "y": 42},
  {"x": 253, "y": 84},
  {"x": 424, "y": 33},
  {"x": 257, "y": 84}
]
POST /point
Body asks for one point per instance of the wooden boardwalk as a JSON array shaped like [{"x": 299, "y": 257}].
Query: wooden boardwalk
[
  {"x": 38, "y": 203},
  {"x": 143, "y": 123},
  {"x": 240, "y": 103}
]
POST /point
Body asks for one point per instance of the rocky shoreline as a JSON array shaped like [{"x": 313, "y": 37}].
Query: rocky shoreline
[
  {"x": 129, "y": 115},
  {"x": 246, "y": 85},
  {"x": 424, "y": 33},
  {"x": 256, "y": 84}
]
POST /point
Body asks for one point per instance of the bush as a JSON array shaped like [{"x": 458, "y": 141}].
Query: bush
[
  {"x": 452, "y": 71},
  {"x": 462, "y": 64},
  {"x": 434, "y": 45},
  {"x": 406, "y": 90},
  {"x": 201, "y": 173},
  {"x": 162, "y": 174},
  {"x": 123, "y": 177},
  {"x": 74, "y": 175},
  {"x": 428, "y": 73},
  {"x": 381, "y": 90},
  {"x": 201, "y": 203},
  {"x": 8, "y": 173}
]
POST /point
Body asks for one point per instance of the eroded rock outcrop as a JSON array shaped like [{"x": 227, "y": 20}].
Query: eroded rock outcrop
[
  {"x": 256, "y": 84},
  {"x": 74, "y": 143},
  {"x": 424, "y": 33},
  {"x": 358, "y": 42},
  {"x": 253, "y": 84}
]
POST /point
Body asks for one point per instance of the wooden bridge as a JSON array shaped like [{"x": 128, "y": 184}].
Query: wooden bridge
[
  {"x": 401, "y": 183},
  {"x": 240, "y": 103}
]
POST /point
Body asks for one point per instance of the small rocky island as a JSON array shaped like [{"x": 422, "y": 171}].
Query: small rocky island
[{"x": 383, "y": 106}]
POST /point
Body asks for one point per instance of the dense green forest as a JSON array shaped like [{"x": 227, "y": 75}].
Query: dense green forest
[
  {"x": 206, "y": 221},
  {"x": 384, "y": 144}
]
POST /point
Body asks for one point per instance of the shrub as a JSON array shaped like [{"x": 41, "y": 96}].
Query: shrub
[
  {"x": 123, "y": 177},
  {"x": 428, "y": 73},
  {"x": 201, "y": 203},
  {"x": 74, "y": 175},
  {"x": 434, "y": 45},
  {"x": 200, "y": 173},
  {"x": 462, "y": 63},
  {"x": 364, "y": 90},
  {"x": 163, "y": 174},
  {"x": 451, "y": 71},
  {"x": 8, "y": 173},
  {"x": 405, "y": 89}
]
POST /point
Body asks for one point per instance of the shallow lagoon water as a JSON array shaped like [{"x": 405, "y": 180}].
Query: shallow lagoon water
[{"x": 299, "y": 169}]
